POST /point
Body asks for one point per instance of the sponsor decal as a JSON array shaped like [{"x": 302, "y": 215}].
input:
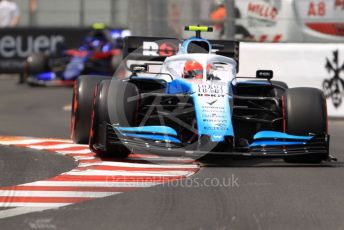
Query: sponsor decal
[
  {"x": 211, "y": 102},
  {"x": 210, "y": 95},
  {"x": 316, "y": 8},
  {"x": 210, "y": 89},
  {"x": 339, "y": 4},
  {"x": 262, "y": 10},
  {"x": 215, "y": 91},
  {"x": 263, "y": 13},
  {"x": 164, "y": 49},
  {"x": 324, "y": 17},
  {"x": 216, "y": 128},
  {"x": 17, "y": 46},
  {"x": 259, "y": 20},
  {"x": 214, "y": 114},
  {"x": 213, "y": 120},
  {"x": 334, "y": 87}
]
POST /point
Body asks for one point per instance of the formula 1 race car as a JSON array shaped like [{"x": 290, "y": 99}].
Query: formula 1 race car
[
  {"x": 100, "y": 54},
  {"x": 196, "y": 105}
]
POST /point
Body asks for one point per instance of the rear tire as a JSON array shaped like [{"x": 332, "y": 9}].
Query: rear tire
[
  {"x": 82, "y": 107},
  {"x": 23, "y": 75},
  {"x": 111, "y": 106},
  {"x": 305, "y": 113},
  {"x": 37, "y": 63}
]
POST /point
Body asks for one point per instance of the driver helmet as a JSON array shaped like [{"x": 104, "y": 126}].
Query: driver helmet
[
  {"x": 193, "y": 69},
  {"x": 96, "y": 40}
]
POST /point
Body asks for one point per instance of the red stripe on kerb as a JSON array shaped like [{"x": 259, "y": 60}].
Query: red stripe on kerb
[
  {"x": 136, "y": 161},
  {"x": 45, "y": 143},
  {"x": 90, "y": 161},
  {"x": 75, "y": 148},
  {"x": 81, "y": 154},
  {"x": 68, "y": 188},
  {"x": 117, "y": 178},
  {"x": 136, "y": 155},
  {"x": 14, "y": 199},
  {"x": 120, "y": 168}
]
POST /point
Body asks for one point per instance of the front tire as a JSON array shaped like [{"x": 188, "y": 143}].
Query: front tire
[
  {"x": 305, "y": 114},
  {"x": 82, "y": 107},
  {"x": 116, "y": 102}
]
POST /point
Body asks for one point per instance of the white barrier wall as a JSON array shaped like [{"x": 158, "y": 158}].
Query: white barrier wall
[{"x": 300, "y": 65}]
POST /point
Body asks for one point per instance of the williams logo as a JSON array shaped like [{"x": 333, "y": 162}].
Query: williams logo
[
  {"x": 211, "y": 102},
  {"x": 334, "y": 87}
]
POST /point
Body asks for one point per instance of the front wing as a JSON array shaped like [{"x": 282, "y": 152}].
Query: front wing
[{"x": 266, "y": 144}]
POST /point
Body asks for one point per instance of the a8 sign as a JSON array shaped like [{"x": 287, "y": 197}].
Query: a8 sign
[
  {"x": 317, "y": 8},
  {"x": 339, "y": 4}
]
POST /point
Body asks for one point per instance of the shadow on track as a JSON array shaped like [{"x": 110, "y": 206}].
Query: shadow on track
[{"x": 213, "y": 161}]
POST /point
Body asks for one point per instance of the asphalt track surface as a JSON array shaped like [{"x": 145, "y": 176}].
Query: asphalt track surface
[{"x": 260, "y": 195}]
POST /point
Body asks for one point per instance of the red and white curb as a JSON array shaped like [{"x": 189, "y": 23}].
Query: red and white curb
[{"x": 91, "y": 179}]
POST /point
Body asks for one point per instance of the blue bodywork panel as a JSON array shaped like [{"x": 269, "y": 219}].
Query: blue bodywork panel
[
  {"x": 272, "y": 138},
  {"x": 267, "y": 143},
  {"x": 179, "y": 86},
  {"x": 279, "y": 135},
  {"x": 47, "y": 76},
  {"x": 213, "y": 120},
  {"x": 213, "y": 114},
  {"x": 149, "y": 129},
  {"x": 74, "y": 67},
  {"x": 156, "y": 133}
]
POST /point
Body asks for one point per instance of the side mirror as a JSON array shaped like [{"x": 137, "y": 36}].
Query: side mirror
[
  {"x": 136, "y": 68},
  {"x": 265, "y": 74}
]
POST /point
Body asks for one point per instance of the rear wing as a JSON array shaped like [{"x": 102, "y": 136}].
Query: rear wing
[
  {"x": 158, "y": 48},
  {"x": 149, "y": 48}
]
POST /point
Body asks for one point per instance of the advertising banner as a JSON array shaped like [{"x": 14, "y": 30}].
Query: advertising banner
[
  {"x": 16, "y": 44},
  {"x": 290, "y": 20},
  {"x": 300, "y": 65},
  {"x": 323, "y": 18},
  {"x": 266, "y": 20}
]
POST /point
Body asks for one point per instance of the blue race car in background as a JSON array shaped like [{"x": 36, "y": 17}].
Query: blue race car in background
[
  {"x": 100, "y": 54},
  {"x": 196, "y": 105}
]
